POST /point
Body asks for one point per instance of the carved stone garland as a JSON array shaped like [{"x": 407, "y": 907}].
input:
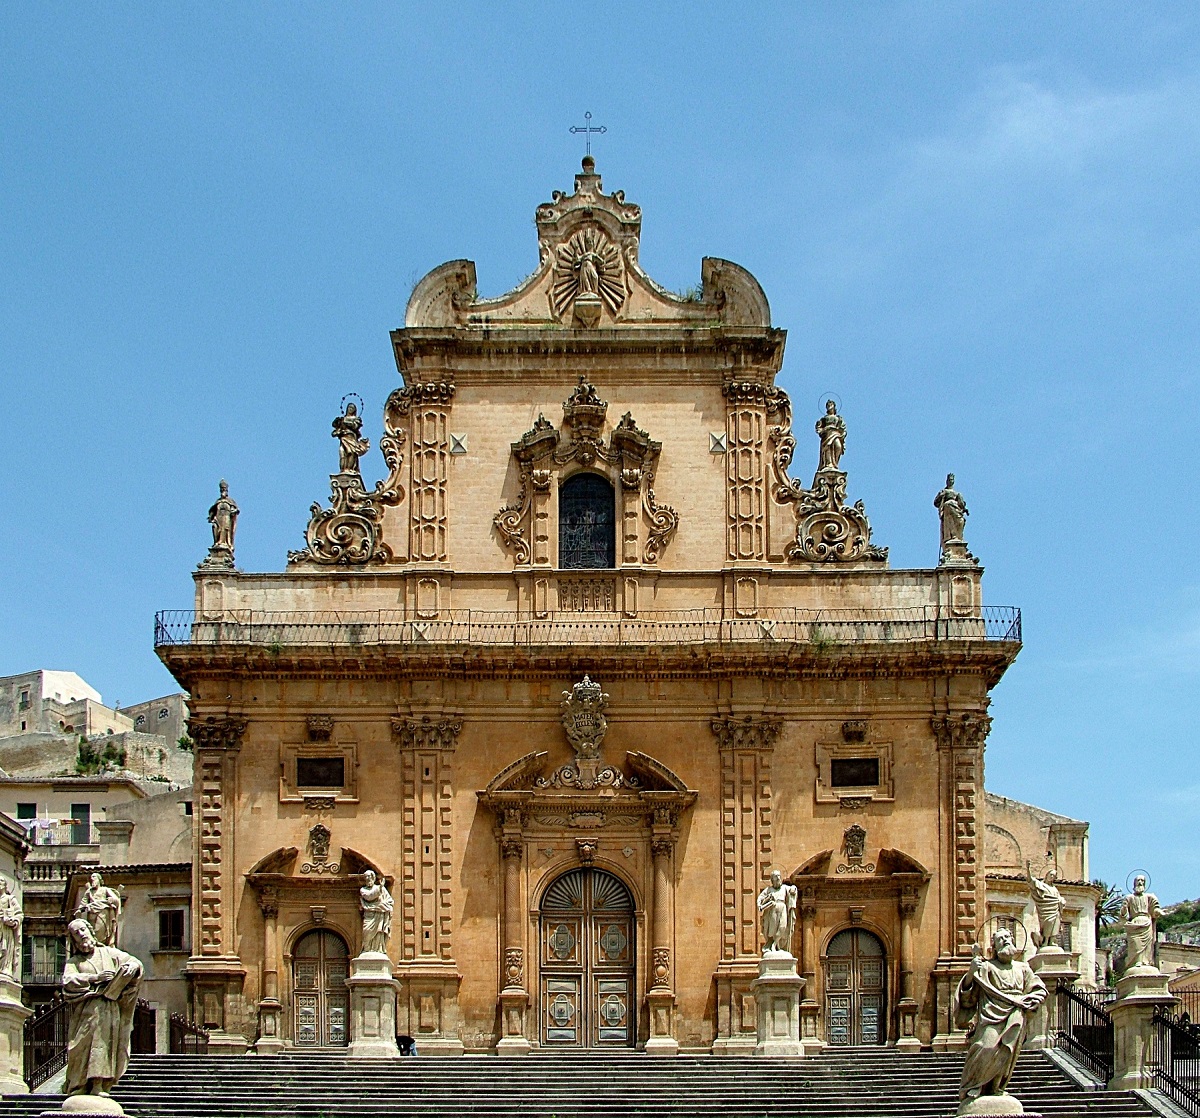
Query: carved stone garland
[
  {"x": 631, "y": 453},
  {"x": 828, "y": 530}
]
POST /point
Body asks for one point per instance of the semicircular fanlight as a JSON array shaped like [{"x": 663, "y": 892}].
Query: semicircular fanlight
[
  {"x": 609, "y": 893},
  {"x": 566, "y": 893}
]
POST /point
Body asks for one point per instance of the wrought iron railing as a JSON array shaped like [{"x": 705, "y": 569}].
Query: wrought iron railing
[
  {"x": 1085, "y": 1030},
  {"x": 1177, "y": 1059},
  {"x": 144, "y": 1038},
  {"x": 816, "y": 628},
  {"x": 45, "y": 1042},
  {"x": 64, "y": 834},
  {"x": 187, "y": 1038}
]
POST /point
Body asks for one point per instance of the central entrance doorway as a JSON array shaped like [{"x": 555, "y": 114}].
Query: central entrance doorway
[
  {"x": 587, "y": 962},
  {"x": 320, "y": 996},
  {"x": 855, "y": 989}
]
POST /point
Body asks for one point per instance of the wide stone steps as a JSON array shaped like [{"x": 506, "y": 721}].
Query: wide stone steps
[{"x": 867, "y": 1082}]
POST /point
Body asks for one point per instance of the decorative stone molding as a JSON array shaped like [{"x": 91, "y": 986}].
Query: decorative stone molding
[
  {"x": 217, "y": 732},
  {"x": 588, "y": 275},
  {"x": 585, "y": 725},
  {"x": 747, "y": 732},
  {"x": 514, "y": 967},
  {"x": 426, "y": 732},
  {"x": 661, "y": 966},
  {"x": 320, "y": 727},
  {"x": 968, "y": 731},
  {"x": 587, "y": 850}
]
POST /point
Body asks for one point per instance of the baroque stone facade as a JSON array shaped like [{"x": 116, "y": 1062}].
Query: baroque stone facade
[{"x": 573, "y": 677}]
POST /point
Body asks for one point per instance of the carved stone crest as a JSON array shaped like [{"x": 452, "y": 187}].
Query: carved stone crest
[
  {"x": 854, "y": 843},
  {"x": 318, "y": 848},
  {"x": 583, "y": 720},
  {"x": 588, "y": 275}
]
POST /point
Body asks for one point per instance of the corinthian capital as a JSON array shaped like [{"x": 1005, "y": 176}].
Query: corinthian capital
[
  {"x": 426, "y": 732},
  {"x": 963, "y": 731},
  {"x": 746, "y": 733},
  {"x": 217, "y": 732}
]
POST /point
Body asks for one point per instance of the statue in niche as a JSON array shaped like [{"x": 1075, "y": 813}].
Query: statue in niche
[
  {"x": 831, "y": 428},
  {"x": 223, "y": 518},
  {"x": 10, "y": 931},
  {"x": 1140, "y": 912},
  {"x": 992, "y": 1003},
  {"x": 347, "y": 429},
  {"x": 777, "y": 910},
  {"x": 1048, "y": 903},
  {"x": 100, "y": 986},
  {"x": 100, "y": 906},
  {"x": 953, "y": 512},
  {"x": 376, "y": 903}
]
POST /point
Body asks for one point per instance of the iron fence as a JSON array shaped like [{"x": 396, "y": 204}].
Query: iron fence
[
  {"x": 187, "y": 1038},
  {"x": 1189, "y": 1004},
  {"x": 1177, "y": 1059},
  {"x": 1085, "y": 1030},
  {"x": 817, "y": 628},
  {"x": 45, "y": 1042}
]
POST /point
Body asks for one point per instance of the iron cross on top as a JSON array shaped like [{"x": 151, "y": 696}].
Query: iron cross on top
[{"x": 587, "y": 130}]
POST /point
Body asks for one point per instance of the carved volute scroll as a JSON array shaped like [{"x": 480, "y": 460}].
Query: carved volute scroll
[{"x": 629, "y": 458}]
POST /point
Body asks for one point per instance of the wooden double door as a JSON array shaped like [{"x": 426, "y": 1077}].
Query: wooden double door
[
  {"x": 855, "y": 989},
  {"x": 320, "y": 996},
  {"x": 587, "y": 962}
]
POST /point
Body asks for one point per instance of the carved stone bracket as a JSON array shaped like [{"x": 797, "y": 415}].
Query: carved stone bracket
[
  {"x": 747, "y": 732},
  {"x": 320, "y": 727},
  {"x": 967, "y": 731},
  {"x": 426, "y": 732},
  {"x": 213, "y": 732}
]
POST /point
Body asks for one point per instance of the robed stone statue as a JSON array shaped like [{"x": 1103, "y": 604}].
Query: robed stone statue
[
  {"x": 100, "y": 906},
  {"x": 347, "y": 429},
  {"x": 777, "y": 909},
  {"x": 831, "y": 428},
  {"x": 1048, "y": 903},
  {"x": 993, "y": 1002},
  {"x": 223, "y": 518},
  {"x": 10, "y": 931},
  {"x": 1140, "y": 912},
  {"x": 377, "y": 905},
  {"x": 100, "y": 986},
  {"x": 952, "y": 510}
]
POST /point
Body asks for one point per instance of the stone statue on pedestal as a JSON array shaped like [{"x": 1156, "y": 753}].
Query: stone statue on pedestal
[
  {"x": 347, "y": 429},
  {"x": 10, "y": 931},
  {"x": 952, "y": 510},
  {"x": 1048, "y": 904},
  {"x": 100, "y": 985},
  {"x": 223, "y": 518},
  {"x": 777, "y": 908},
  {"x": 1140, "y": 912},
  {"x": 992, "y": 1003},
  {"x": 831, "y": 428},
  {"x": 100, "y": 906},
  {"x": 377, "y": 904}
]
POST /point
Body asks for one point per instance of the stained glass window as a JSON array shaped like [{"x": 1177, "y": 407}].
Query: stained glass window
[{"x": 586, "y": 524}]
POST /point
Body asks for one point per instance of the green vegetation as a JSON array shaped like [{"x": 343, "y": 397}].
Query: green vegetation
[
  {"x": 98, "y": 756},
  {"x": 1186, "y": 912}
]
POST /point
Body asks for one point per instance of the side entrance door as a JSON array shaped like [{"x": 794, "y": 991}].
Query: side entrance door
[
  {"x": 320, "y": 997},
  {"x": 587, "y": 962},
  {"x": 855, "y": 989}
]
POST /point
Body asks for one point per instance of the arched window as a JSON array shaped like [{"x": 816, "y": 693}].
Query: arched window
[{"x": 586, "y": 524}]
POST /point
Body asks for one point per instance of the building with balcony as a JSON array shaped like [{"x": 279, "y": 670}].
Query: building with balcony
[{"x": 584, "y": 666}]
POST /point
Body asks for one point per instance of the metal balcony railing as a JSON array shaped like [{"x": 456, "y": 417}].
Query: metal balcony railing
[{"x": 814, "y": 627}]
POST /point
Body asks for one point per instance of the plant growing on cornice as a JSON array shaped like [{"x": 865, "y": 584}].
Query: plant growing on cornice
[{"x": 186, "y": 744}]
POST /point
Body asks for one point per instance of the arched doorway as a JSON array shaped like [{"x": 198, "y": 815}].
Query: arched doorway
[
  {"x": 320, "y": 997},
  {"x": 855, "y": 989},
  {"x": 587, "y": 962},
  {"x": 587, "y": 524}
]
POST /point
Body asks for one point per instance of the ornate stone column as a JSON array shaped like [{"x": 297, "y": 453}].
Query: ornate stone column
[
  {"x": 908, "y": 1041},
  {"x": 661, "y": 995},
  {"x": 514, "y": 998},
  {"x": 270, "y": 1011},
  {"x": 810, "y": 1008},
  {"x": 216, "y": 974},
  {"x": 960, "y": 742}
]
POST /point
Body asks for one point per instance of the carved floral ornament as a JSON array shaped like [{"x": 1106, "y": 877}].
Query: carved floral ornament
[{"x": 629, "y": 459}]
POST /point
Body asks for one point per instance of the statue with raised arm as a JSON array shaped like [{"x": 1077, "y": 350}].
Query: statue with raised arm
[
  {"x": 100, "y": 986},
  {"x": 1048, "y": 903},
  {"x": 1140, "y": 912},
  {"x": 376, "y": 903},
  {"x": 10, "y": 931},
  {"x": 952, "y": 510},
  {"x": 992, "y": 1003},
  {"x": 100, "y": 906},
  {"x": 347, "y": 429},
  {"x": 831, "y": 428},
  {"x": 777, "y": 911}
]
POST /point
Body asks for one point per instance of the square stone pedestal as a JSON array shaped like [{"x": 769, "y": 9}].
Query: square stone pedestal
[
  {"x": 662, "y": 1042},
  {"x": 372, "y": 1006},
  {"x": 1053, "y": 966},
  {"x": 12, "y": 1038},
  {"x": 514, "y": 1002},
  {"x": 777, "y": 993},
  {"x": 1139, "y": 992}
]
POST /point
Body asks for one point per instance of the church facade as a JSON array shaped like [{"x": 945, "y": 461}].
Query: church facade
[{"x": 574, "y": 677}]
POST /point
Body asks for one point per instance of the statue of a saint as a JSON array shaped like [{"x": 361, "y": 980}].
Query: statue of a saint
[
  {"x": 588, "y": 270},
  {"x": 100, "y": 906},
  {"x": 10, "y": 931},
  {"x": 100, "y": 986},
  {"x": 777, "y": 906},
  {"x": 992, "y": 1003},
  {"x": 953, "y": 512},
  {"x": 223, "y": 518},
  {"x": 377, "y": 904},
  {"x": 347, "y": 429},
  {"x": 1048, "y": 903},
  {"x": 1140, "y": 912},
  {"x": 831, "y": 428}
]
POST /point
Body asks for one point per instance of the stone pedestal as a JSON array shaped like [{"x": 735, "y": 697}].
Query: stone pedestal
[
  {"x": 777, "y": 994},
  {"x": 372, "y": 1006},
  {"x": 1139, "y": 992},
  {"x": 514, "y": 1001},
  {"x": 908, "y": 1041},
  {"x": 12, "y": 1038},
  {"x": 994, "y": 1104},
  {"x": 662, "y": 1042},
  {"x": 270, "y": 1018},
  {"x": 1054, "y": 967},
  {"x": 810, "y": 1018},
  {"x": 86, "y": 1106},
  {"x": 428, "y": 1006}
]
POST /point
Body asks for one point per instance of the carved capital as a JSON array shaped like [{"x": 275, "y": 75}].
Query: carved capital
[
  {"x": 908, "y": 900},
  {"x": 320, "y": 727},
  {"x": 964, "y": 732},
  {"x": 217, "y": 732},
  {"x": 437, "y": 393},
  {"x": 512, "y": 846},
  {"x": 662, "y": 847},
  {"x": 426, "y": 732},
  {"x": 749, "y": 732},
  {"x": 268, "y": 901}
]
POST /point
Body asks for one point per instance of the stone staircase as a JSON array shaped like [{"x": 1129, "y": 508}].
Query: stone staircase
[{"x": 838, "y": 1084}]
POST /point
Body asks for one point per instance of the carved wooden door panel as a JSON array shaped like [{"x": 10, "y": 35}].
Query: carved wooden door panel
[
  {"x": 855, "y": 989},
  {"x": 320, "y": 996},
  {"x": 587, "y": 962}
]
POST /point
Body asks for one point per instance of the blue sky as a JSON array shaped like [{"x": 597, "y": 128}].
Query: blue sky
[{"x": 978, "y": 222}]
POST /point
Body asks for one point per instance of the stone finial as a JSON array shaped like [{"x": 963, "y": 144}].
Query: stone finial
[{"x": 223, "y": 517}]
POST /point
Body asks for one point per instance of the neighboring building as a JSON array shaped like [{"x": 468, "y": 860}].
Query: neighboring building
[
  {"x": 54, "y": 703},
  {"x": 1017, "y": 834},
  {"x": 164, "y": 718},
  {"x": 589, "y": 476}
]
